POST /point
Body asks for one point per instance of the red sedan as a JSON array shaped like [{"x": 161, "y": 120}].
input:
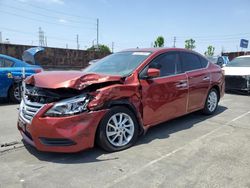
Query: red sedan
[{"x": 116, "y": 99}]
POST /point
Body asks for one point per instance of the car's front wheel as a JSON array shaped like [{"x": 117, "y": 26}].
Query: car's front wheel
[
  {"x": 211, "y": 102},
  {"x": 14, "y": 93},
  {"x": 118, "y": 129}
]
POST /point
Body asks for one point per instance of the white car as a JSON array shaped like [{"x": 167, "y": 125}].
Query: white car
[{"x": 237, "y": 74}]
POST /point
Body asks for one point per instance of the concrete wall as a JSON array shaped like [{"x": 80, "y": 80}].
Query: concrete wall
[{"x": 55, "y": 58}]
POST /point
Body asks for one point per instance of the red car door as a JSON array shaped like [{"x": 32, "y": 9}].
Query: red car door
[
  {"x": 198, "y": 79},
  {"x": 164, "y": 97}
]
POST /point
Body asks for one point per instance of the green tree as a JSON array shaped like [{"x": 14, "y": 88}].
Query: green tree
[
  {"x": 159, "y": 42},
  {"x": 189, "y": 44},
  {"x": 101, "y": 47},
  {"x": 210, "y": 51}
]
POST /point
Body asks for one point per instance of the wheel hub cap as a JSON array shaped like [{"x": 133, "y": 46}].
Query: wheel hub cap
[
  {"x": 212, "y": 101},
  {"x": 120, "y": 129}
]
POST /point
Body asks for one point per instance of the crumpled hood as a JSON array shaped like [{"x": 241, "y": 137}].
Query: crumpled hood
[
  {"x": 69, "y": 79},
  {"x": 236, "y": 71}
]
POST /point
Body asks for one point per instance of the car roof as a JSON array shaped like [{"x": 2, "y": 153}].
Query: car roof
[
  {"x": 10, "y": 58},
  {"x": 242, "y": 56},
  {"x": 155, "y": 49}
]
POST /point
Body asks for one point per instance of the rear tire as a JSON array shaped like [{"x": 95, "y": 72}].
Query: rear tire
[
  {"x": 14, "y": 94},
  {"x": 211, "y": 103},
  {"x": 118, "y": 130}
]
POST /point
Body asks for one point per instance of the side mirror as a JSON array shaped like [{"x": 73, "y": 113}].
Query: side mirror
[{"x": 152, "y": 73}]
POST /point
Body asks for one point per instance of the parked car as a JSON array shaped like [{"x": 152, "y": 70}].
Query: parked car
[
  {"x": 237, "y": 74},
  {"x": 219, "y": 60},
  {"x": 11, "y": 73},
  {"x": 93, "y": 61},
  {"x": 116, "y": 99}
]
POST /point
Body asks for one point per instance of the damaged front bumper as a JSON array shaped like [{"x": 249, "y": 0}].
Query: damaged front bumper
[
  {"x": 58, "y": 134},
  {"x": 240, "y": 83}
]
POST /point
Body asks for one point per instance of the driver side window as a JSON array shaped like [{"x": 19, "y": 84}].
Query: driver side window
[
  {"x": 168, "y": 64},
  {"x": 8, "y": 63}
]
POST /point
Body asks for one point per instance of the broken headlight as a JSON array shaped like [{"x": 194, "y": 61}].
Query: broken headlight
[{"x": 67, "y": 107}]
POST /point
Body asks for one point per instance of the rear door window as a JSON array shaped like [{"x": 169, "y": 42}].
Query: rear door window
[
  {"x": 204, "y": 62},
  {"x": 190, "y": 61}
]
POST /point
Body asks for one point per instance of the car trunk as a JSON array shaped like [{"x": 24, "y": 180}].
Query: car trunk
[{"x": 29, "y": 56}]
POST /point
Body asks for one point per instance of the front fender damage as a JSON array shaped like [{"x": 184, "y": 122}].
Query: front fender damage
[
  {"x": 118, "y": 94},
  {"x": 102, "y": 90}
]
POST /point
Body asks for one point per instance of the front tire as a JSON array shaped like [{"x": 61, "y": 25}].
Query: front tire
[
  {"x": 118, "y": 130},
  {"x": 211, "y": 102},
  {"x": 14, "y": 93}
]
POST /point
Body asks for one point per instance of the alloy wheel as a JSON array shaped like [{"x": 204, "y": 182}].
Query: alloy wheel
[
  {"x": 120, "y": 129},
  {"x": 17, "y": 93},
  {"x": 212, "y": 101}
]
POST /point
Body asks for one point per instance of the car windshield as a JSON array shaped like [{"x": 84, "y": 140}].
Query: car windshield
[
  {"x": 239, "y": 62},
  {"x": 121, "y": 63}
]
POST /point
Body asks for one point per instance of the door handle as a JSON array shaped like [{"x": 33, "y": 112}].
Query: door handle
[
  {"x": 206, "y": 78},
  {"x": 182, "y": 84}
]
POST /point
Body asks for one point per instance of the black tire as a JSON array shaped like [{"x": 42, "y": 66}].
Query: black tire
[
  {"x": 101, "y": 135},
  {"x": 12, "y": 96},
  {"x": 206, "y": 110}
]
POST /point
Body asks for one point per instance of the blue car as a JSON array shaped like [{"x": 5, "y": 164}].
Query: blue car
[
  {"x": 11, "y": 72},
  {"x": 219, "y": 60}
]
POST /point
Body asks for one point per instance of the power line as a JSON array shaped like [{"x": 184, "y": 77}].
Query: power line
[
  {"x": 214, "y": 36},
  {"x": 33, "y": 19},
  {"x": 34, "y": 34},
  {"x": 47, "y": 16},
  {"x": 56, "y": 11}
]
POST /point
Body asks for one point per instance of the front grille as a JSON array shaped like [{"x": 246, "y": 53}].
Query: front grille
[
  {"x": 29, "y": 109},
  {"x": 235, "y": 82}
]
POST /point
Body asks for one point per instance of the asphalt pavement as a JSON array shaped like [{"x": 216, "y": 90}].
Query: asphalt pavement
[{"x": 191, "y": 151}]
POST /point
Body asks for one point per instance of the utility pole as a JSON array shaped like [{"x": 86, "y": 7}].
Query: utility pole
[
  {"x": 1, "y": 37},
  {"x": 97, "y": 32},
  {"x": 174, "y": 42},
  {"x": 222, "y": 50},
  {"x": 93, "y": 43},
  {"x": 46, "y": 41},
  {"x": 77, "y": 42},
  {"x": 113, "y": 47}
]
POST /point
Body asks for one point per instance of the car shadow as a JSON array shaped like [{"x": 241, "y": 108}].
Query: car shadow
[
  {"x": 237, "y": 92},
  {"x": 161, "y": 131},
  {"x": 164, "y": 130},
  {"x": 6, "y": 102}
]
